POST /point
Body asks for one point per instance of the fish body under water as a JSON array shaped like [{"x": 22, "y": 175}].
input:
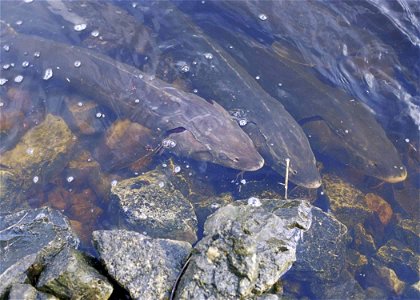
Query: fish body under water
[
  {"x": 337, "y": 125},
  {"x": 200, "y": 130},
  {"x": 182, "y": 53}
]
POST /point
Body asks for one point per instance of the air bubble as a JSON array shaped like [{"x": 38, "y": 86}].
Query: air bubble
[
  {"x": 80, "y": 27},
  {"x": 35, "y": 179},
  {"x": 137, "y": 101},
  {"x": 243, "y": 181},
  {"x": 257, "y": 77},
  {"x": 70, "y": 179},
  {"x": 114, "y": 182},
  {"x": 161, "y": 184},
  {"x": 95, "y": 33},
  {"x": 243, "y": 122},
  {"x": 80, "y": 104},
  {"x": 30, "y": 151},
  {"x": 407, "y": 140},
  {"x": 195, "y": 91},
  {"x": 25, "y": 64},
  {"x": 3, "y": 81},
  {"x": 208, "y": 55},
  {"x": 177, "y": 169},
  {"x": 48, "y": 74},
  {"x": 37, "y": 54},
  {"x": 168, "y": 143},
  {"x": 6, "y": 48},
  {"x": 77, "y": 63},
  {"x": 98, "y": 115},
  {"x": 262, "y": 17},
  {"x": 20, "y": 22},
  {"x": 6, "y": 66},
  {"x": 254, "y": 201},
  {"x": 18, "y": 79}
]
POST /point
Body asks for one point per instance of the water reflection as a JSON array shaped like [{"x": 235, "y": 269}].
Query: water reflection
[{"x": 93, "y": 94}]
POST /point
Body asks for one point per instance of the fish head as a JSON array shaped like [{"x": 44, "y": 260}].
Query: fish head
[
  {"x": 214, "y": 137},
  {"x": 280, "y": 139},
  {"x": 364, "y": 147}
]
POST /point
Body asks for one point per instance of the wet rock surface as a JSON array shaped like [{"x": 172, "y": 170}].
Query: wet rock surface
[
  {"x": 41, "y": 154},
  {"x": 69, "y": 276},
  {"x": 346, "y": 201},
  {"x": 151, "y": 203},
  {"x": 400, "y": 258},
  {"x": 146, "y": 267},
  {"x": 321, "y": 250},
  {"x": 28, "y": 292},
  {"x": 29, "y": 239},
  {"x": 248, "y": 246}
]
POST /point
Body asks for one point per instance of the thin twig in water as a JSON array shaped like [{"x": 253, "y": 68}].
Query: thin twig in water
[
  {"x": 286, "y": 179},
  {"x": 16, "y": 224}
]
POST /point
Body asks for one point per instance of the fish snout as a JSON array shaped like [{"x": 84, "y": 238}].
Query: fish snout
[
  {"x": 400, "y": 174},
  {"x": 245, "y": 161}
]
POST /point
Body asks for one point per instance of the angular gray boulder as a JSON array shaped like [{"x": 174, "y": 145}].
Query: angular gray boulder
[
  {"x": 29, "y": 239},
  {"x": 147, "y": 268},
  {"x": 28, "y": 292},
  {"x": 151, "y": 203},
  {"x": 69, "y": 276},
  {"x": 321, "y": 251},
  {"x": 248, "y": 246}
]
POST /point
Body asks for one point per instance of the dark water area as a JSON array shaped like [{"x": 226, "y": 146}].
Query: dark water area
[{"x": 87, "y": 95}]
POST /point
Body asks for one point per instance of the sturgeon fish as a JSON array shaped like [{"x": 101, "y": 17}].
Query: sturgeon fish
[
  {"x": 199, "y": 129},
  {"x": 183, "y": 52},
  {"x": 337, "y": 125}
]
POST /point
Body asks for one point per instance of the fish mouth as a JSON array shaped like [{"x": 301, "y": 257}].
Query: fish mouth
[
  {"x": 395, "y": 178},
  {"x": 254, "y": 166}
]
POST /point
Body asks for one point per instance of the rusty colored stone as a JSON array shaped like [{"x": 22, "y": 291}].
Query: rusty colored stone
[{"x": 380, "y": 206}]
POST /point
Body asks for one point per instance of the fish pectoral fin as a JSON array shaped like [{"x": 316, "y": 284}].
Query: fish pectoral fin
[{"x": 304, "y": 121}]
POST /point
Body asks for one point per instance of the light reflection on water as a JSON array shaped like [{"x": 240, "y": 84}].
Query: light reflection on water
[{"x": 368, "y": 48}]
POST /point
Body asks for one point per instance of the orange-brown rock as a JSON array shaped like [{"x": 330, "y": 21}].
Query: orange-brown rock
[
  {"x": 59, "y": 198},
  {"x": 83, "y": 208},
  {"x": 125, "y": 142},
  {"x": 379, "y": 206},
  {"x": 80, "y": 230}
]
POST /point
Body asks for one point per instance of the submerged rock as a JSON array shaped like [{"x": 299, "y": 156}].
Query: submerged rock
[
  {"x": 41, "y": 154},
  {"x": 408, "y": 232},
  {"x": 28, "y": 292},
  {"x": 347, "y": 202},
  {"x": 29, "y": 238},
  {"x": 151, "y": 203},
  {"x": 248, "y": 246},
  {"x": 403, "y": 260},
  {"x": 146, "y": 267},
  {"x": 320, "y": 253},
  {"x": 384, "y": 278},
  {"x": 69, "y": 276}
]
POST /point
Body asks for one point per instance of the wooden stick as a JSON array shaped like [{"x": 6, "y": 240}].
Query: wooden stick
[{"x": 286, "y": 179}]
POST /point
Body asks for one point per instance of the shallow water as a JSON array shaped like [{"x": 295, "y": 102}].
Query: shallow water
[{"x": 369, "y": 49}]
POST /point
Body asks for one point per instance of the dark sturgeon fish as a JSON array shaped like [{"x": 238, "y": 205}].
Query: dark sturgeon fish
[
  {"x": 184, "y": 52},
  {"x": 336, "y": 124},
  {"x": 200, "y": 130}
]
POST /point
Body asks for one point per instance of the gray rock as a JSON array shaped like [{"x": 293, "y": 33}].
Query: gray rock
[
  {"x": 248, "y": 246},
  {"x": 29, "y": 238},
  {"x": 321, "y": 251},
  {"x": 345, "y": 287},
  {"x": 28, "y": 292},
  {"x": 408, "y": 232},
  {"x": 40, "y": 155},
  {"x": 150, "y": 203},
  {"x": 404, "y": 261},
  {"x": 146, "y": 267},
  {"x": 69, "y": 276}
]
